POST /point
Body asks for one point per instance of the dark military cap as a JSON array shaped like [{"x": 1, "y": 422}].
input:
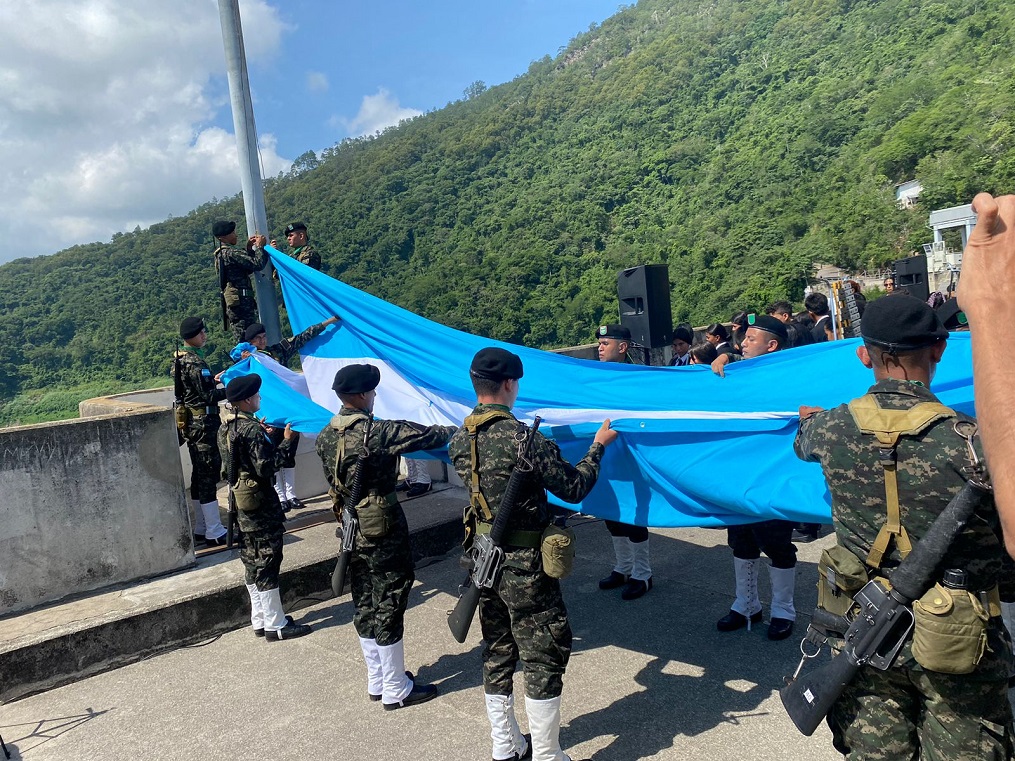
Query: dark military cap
[
  {"x": 771, "y": 325},
  {"x": 253, "y": 331},
  {"x": 243, "y": 387},
  {"x": 356, "y": 379},
  {"x": 901, "y": 322},
  {"x": 614, "y": 331},
  {"x": 496, "y": 364},
  {"x": 683, "y": 334},
  {"x": 293, "y": 227},
  {"x": 222, "y": 228},
  {"x": 190, "y": 327}
]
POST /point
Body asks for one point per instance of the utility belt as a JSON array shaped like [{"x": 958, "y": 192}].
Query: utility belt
[
  {"x": 241, "y": 290},
  {"x": 211, "y": 409},
  {"x": 950, "y": 630},
  {"x": 185, "y": 415},
  {"x": 530, "y": 540}
]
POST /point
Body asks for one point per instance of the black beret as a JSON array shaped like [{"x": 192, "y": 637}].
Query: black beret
[
  {"x": 243, "y": 387},
  {"x": 190, "y": 327},
  {"x": 222, "y": 228},
  {"x": 496, "y": 364},
  {"x": 771, "y": 325},
  {"x": 683, "y": 334},
  {"x": 356, "y": 379},
  {"x": 253, "y": 330},
  {"x": 614, "y": 331},
  {"x": 293, "y": 227},
  {"x": 900, "y": 322}
]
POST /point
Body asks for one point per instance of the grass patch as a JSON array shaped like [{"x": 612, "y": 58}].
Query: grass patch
[{"x": 49, "y": 404}]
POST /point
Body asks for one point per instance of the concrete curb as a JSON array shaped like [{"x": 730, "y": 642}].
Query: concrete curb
[{"x": 192, "y": 608}]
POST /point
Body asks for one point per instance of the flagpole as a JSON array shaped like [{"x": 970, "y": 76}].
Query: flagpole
[{"x": 250, "y": 168}]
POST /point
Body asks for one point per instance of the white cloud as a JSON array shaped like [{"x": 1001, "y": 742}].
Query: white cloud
[
  {"x": 105, "y": 114},
  {"x": 376, "y": 113},
  {"x": 317, "y": 81}
]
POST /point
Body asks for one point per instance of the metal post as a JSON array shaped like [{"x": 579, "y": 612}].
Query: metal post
[{"x": 250, "y": 168}]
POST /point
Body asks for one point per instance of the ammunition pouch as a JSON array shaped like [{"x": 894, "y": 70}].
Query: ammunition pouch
[
  {"x": 182, "y": 414},
  {"x": 248, "y": 495},
  {"x": 558, "y": 547},
  {"x": 376, "y": 515},
  {"x": 950, "y": 636},
  {"x": 841, "y": 575}
]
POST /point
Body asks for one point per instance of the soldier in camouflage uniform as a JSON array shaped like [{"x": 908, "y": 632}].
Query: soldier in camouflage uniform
[
  {"x": 523, "y": 616},
  {"x": 250, "y": 458},
  {"x": 381, "y": 570},
  {"x": 909, "y": 711},
  {"x": 234, "y": 267},
  {"x": 299, "y": 243},
  {"x": 197, "y": 401},
  {"x": 283, "y": 353}
]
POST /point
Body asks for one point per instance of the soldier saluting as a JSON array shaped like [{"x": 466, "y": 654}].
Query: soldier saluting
[
  {"x": 234, "y": 267},
  {"x": 522, "y": 616},
  {"x": 893, "y": 458}
]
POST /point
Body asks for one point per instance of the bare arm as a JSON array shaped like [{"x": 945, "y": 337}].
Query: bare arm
[{"x": 987, "y": 296}]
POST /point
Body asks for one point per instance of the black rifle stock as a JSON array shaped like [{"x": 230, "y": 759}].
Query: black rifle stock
[
  {"x": 350, "y": 523},
  {"x": 882, "y": 626},
  {"x": 486, "y": 552}
]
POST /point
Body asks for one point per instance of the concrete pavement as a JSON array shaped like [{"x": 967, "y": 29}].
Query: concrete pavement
[{"x": 648, "y": 679}]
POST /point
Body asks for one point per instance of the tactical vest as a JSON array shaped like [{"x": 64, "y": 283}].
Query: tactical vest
[
  {"x": 343, "y": 423},
  {"x": 887, "y": 426},
  {"x": 478, "y": 518}
]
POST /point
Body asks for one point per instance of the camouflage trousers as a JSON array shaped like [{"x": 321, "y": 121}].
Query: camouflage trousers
[
  {"x": 241, "y": 310},
  {"x": 205, "y": 459},
  {"x": 381, "y": 573},
  {"x": 261, "y": 547},
  {"x": 908, "y": 713},
  {"x": 523, "y": 618}
]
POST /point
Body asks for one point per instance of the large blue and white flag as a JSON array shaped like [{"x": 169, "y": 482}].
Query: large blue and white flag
[{"x": 694, "y": 449}]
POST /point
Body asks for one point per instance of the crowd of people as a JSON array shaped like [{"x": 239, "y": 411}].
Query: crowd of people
[{"x": 893, "y": 459}]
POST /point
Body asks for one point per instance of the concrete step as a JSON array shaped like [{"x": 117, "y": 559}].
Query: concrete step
[{"x": 74, "y": 638}]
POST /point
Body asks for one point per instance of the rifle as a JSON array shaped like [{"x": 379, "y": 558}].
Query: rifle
[
  {"x": 232, "y": 519},
  {"x": 350, "y": 521},
  {"x": 882, "y": 626},
  {"x": 180, "y": 412},
  {"x": 486, "y": 553},
  {"x": 222, "y": 287}
]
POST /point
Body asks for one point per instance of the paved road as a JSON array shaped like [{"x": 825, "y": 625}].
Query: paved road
[{"x": 648, "y": 679}]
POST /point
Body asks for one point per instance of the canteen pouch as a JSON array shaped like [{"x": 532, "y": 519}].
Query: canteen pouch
[
  {"x": 950, "y": 634},
  {"x": 841, "y": 574},
  {"x": 182, "y": 417},
  {"x": 247, "y": 495},
  {"x": 375, "y": 517},
  {"x": 557, "y": 546}
]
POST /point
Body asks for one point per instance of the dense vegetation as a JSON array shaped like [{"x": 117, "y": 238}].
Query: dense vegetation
[{"x": 737, "y": 141}]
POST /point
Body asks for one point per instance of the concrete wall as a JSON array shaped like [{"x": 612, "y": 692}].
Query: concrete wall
[{"x": 88, "y": 503}]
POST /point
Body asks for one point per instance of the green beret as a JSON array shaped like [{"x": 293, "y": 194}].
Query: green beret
[
  {"x": 243, "y": 387},
  {"x": 900, "y": 322},
  {"x": 253, "y": 330},
  {"x": 356, "y": 379},
  {"x": 614, "y": 331},
  {"x": 496, "y": 364},
  {"x": 771, "y": 325},
  {"x": 190, "y": 327},
  {"x": 222, "y": 228}
]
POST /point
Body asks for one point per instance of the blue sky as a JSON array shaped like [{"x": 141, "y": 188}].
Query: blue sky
[
  {"x": 115, "y": 114},
  {"x": 422, "y": 54}
]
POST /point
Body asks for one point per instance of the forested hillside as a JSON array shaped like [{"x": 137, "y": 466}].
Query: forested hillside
[{"x": 737, "y": 141}]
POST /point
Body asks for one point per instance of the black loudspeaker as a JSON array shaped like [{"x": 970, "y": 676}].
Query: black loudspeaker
[
  {"x": 644, "y": 295},
  {"x": 911, "y": 275}
]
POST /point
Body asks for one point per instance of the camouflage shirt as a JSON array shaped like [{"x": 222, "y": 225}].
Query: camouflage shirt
[
  {"x": 197, "y": 384},
  {"x": 284, "y": 351},
  {"x": 306, "y": 255},
  {"x": 930, "y": 472},
  {"x": 236, "y": 265},
  {"x": 388, "y": 440},
  {"x": 256, "y": 456},
  {"x": 498, "y": 453}
]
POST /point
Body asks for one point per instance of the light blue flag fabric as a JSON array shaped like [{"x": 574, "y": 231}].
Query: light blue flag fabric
[{"x": 694, "y": 449}]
